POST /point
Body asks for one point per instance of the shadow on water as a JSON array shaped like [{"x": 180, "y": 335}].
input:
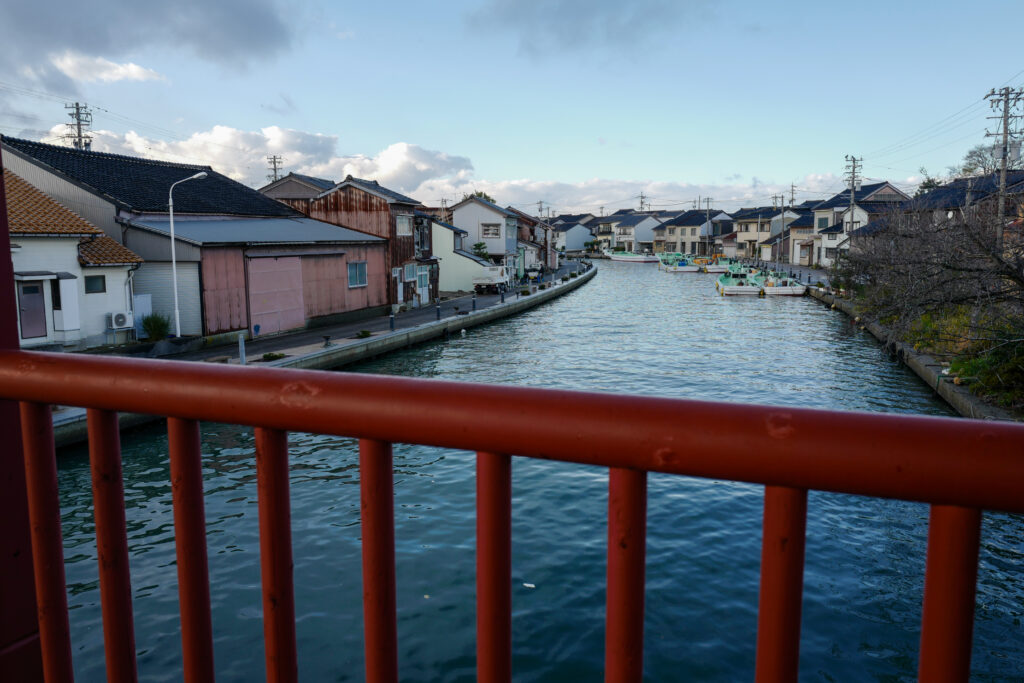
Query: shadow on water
[{"x": 634, "y": 330}]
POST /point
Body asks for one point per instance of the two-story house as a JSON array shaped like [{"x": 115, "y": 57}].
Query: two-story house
[
  {"x": 367, "y": 206},
  {"x": 834, "y": 220},
  {"x": 496, "y": 228},
  {"x": 682, "y": 233}
]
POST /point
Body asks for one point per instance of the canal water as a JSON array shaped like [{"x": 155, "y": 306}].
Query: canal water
[{"x": 632, "y": 329}]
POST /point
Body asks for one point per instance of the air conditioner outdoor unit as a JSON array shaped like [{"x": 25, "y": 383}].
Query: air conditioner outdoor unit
[{"x": 119, "y": 320}]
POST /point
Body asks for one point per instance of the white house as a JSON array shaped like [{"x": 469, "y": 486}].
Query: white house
[
  {"x": 833, "y": 222},
  {"x": 496, "y": 227},
  {"x": 73, "y": 283},
  {"x": 572, "y": 236},
  {"x": 459, "y": 269}
]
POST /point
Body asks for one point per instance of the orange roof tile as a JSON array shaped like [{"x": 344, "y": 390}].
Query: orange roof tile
[
  {"x": 30, "y": 212},
  {"x": 104, "y": 251}
]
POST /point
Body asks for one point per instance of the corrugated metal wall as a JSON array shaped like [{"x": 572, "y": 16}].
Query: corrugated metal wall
[
  {"x": 324, "y": 284},
  {"x": 224, "y": 289},
  {"x": 155, "y": 279},
  {"x": 275, "y": 294}
]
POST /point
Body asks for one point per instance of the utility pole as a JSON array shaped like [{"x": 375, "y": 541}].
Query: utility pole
[
  {"x": 81, "y": 119},
  {"x": 707, "y": 220},
  {"x": 851, "y": 175},
  {"x": 275, "y": 164},
  {"x": 779, "y": 202},
  {"x": 1004, "y": 98},
  {"x": 540, "y": 208},
  {"x": 642, "y": 198},
  {"x": 792, "y": 194},
  {"x": 602, "y": 211}
]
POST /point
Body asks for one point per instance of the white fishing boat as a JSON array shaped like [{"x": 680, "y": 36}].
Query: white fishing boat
[
  {"x": 738, "y": 283},
  {"x": 684, "y": 265},
  {"x": 778, "y": 283},
  {"x": 632, "y": 257}
]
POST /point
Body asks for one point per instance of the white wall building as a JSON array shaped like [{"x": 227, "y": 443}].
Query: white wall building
[
  {"x": 459, "y": 269},
  {"x": 73, "y": 283}
]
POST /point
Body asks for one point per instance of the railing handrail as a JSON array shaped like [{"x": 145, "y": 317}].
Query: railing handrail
[{"x": 946, "y": 461}]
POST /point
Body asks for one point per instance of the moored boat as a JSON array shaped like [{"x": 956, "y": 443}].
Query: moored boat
[
  {"x": 632, "y": 257},
  {"x": 777, "y": 283},
  {"x": 684, "y": 265},
  {"x": 739, "y": 283}
]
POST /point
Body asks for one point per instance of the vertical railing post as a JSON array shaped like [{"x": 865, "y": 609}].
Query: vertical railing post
[
  {"x": 493, "y": 568},
  {"x": 112, "y": 544},
  {"x": 19, "y": 629},
  {"x": 276, "y": 555},
  {"x": 627, "y": 538},
  {"x": 47, "y": 544},
  {"x": 377, "y": 507},
  {"x": 947, "y": 620},
  {"x": 190, "y": 548},
  {"x": 782, "y": 584}
]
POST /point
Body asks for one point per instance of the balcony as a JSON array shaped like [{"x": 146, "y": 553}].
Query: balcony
[{"x": 959, "y": 466}]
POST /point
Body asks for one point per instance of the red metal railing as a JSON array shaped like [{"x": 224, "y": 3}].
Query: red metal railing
[{"x": 959, "y": 466}]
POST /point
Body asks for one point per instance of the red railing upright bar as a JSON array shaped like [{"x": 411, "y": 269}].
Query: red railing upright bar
[
  {"x": 47, "y": 541},
  {"x": 377, "y": 510},
  {"x": 493, "y": 568},
  {"x": 276, "y": 566},
  {"x": 951, "y": 572},
  {"x": 190, "y": 547},
  {"x": 624, "y": 612},
  {"x": 782, "y": 584},
  {"x": 112, "y": 545},
  {"x": 924, "y": 458}
]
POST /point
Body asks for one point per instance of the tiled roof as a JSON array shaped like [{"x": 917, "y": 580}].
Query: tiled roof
[
  {"x": 490, "y": 205},
  {"x": 692, "y": 217},
  {"x": 104, "y": 251},
  {"x": 625, "y": 221},
  {"x": 30, "y": 212},
  {"x": 374, "y": 186},
  {"x": 843, "y": 198},
  {"x": 322, "y": 183},
  {"x": 953, "y": 195},
  {"x": 806, "y": 220},
  {"x": 142, "y": 184},
  {"x": 762, "y": 212},
  {"x": 832, "y": 229}
]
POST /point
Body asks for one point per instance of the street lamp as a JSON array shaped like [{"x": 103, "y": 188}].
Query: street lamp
[{"x": 174, "y": 261}]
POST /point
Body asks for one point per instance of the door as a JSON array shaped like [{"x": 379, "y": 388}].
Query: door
[
  {"x": 32, "y": 306},
  {"x": 423, "y": 284}
]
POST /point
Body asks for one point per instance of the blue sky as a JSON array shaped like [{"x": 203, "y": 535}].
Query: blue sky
[{"x": 577, "y": 103}]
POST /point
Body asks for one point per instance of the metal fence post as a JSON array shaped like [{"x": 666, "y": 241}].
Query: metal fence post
[{"x": 241, "y": 348}]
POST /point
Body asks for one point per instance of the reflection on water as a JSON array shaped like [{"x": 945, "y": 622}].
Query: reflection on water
[{"x": 632, "y": 329}]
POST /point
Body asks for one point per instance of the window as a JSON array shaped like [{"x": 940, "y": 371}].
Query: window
[
  {"x": 404, "y": 224},
  {"x": 55, "y": 294},
  {"x": 831, "y": 237},
  {"x": 693, "y": 232},
  {"x": 822, "y": 223},
  {"x": 671, "y": 231},
  {"x": 423, "y": 278},
  {"x": 830, "y": 253},
  {"x": 95, "y": 284},
  {"x": 490, "y": 230},
  {"x": 410, "y": 272},
  {"x": 357, "y": 274}
]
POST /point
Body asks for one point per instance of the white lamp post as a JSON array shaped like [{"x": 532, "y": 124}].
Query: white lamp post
[{"x": 174, "y": 261}]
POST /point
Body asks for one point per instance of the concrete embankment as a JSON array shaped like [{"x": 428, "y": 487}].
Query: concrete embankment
[
  {"x": 926, "y": 367},
  {"x": 69, "y": 425}
]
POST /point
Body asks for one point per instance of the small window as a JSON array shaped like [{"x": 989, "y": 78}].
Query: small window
[
  {"x": 55, "y": 294},
  {"x": 404, "y": 224},
  {"x": 671, "y": 231},
  {"x": 95, "y": 284},
  {"x": 357, "y": 274},
  {"x": 410, "y": 272},
  {"x": 492, "y": 230},
  {"x": 822, "y": 223}
]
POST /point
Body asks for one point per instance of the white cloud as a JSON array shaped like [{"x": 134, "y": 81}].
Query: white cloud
[
  {"x": 79, "y": 67},
  {"x": 432, "y": 175}
]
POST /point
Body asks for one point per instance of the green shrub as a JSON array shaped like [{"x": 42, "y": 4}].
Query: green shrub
[
  {"x": 524, "y": 292},
  {"x": 542, "y": 286},
  {"x": 272, "y": 355},
  {"x": 363, "y": 334},
  {"x": 156, "y": 326},
  {"x": 565, "y": 278}
]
